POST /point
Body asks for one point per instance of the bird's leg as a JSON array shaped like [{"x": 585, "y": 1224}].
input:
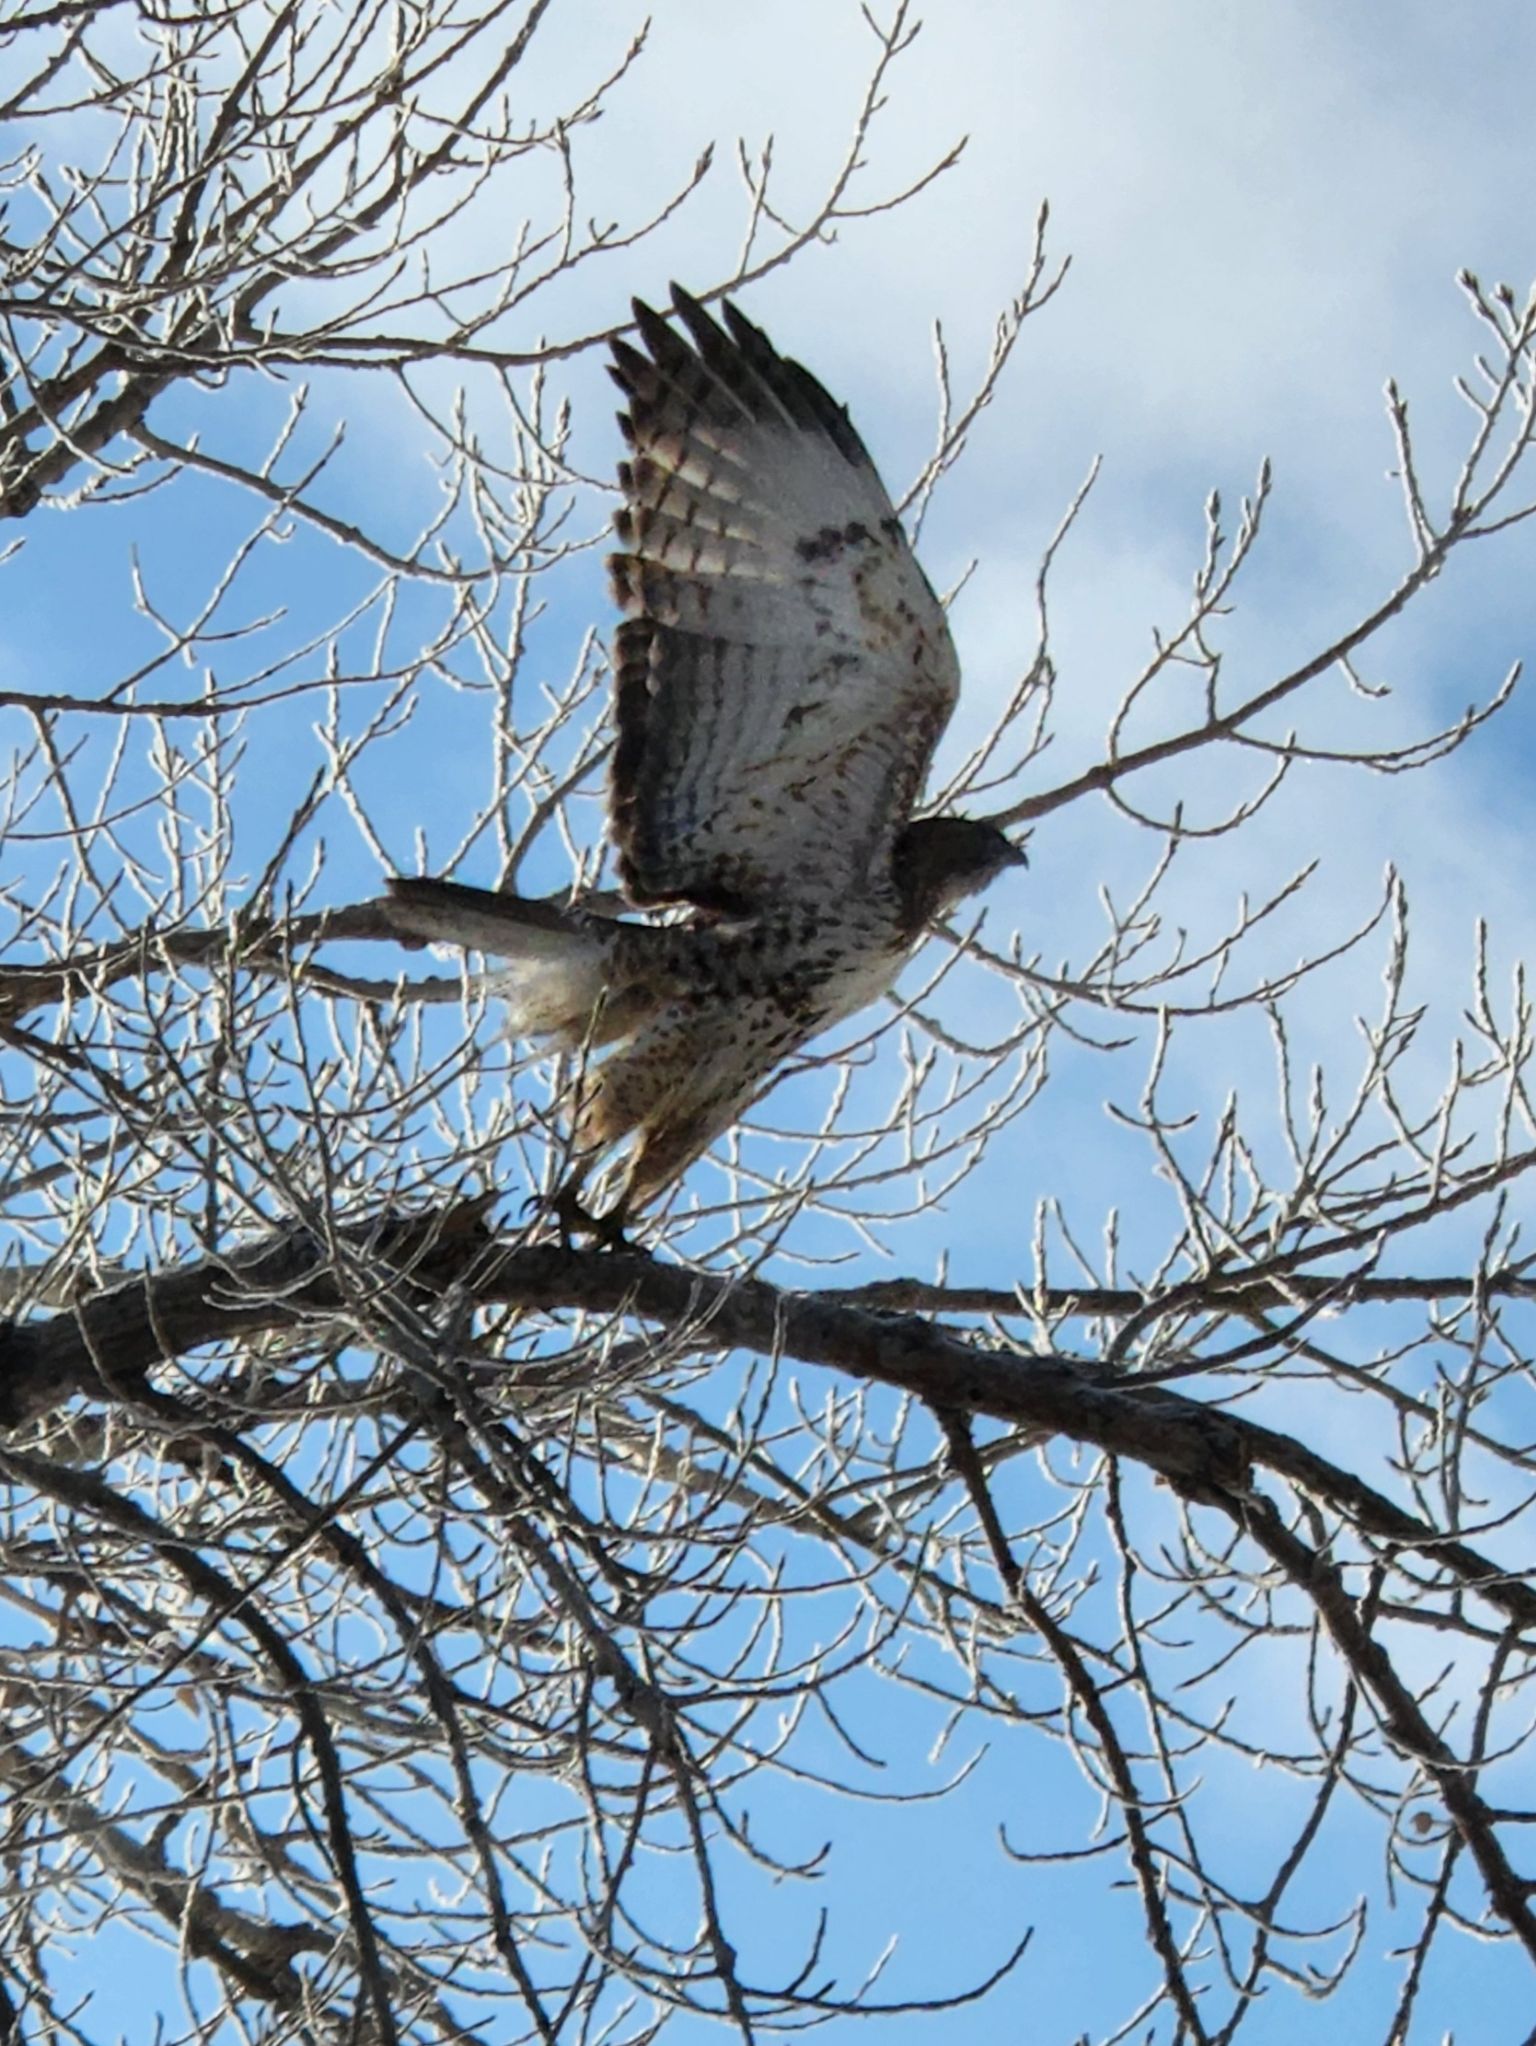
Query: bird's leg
[
  {"x": 571, "y": 1213},
  {"x": 571, "y": 1216},
  {"x": 606, "y": 1230}
]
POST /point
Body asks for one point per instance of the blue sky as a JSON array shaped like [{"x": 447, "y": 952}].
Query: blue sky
[{"x": 1266, "y": 210}]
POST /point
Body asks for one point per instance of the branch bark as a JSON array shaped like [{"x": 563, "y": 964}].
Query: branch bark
[{"x": 107, "y": 1342}]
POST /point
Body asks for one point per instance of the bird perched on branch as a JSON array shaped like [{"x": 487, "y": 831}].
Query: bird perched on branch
[{"x": 781, "y": 678}]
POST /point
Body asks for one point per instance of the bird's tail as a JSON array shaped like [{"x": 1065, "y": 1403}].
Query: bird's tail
[{"x": 561, "y": 963}]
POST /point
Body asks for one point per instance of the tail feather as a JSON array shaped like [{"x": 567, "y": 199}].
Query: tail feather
[
  {"x": 511, "y": 926},
  {"x": 560, "y": 962}
]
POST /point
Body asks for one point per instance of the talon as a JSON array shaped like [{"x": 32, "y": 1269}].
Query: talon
[
  {"x": 564, "y": 1207},
  {"x": 606, "y": 1230}
]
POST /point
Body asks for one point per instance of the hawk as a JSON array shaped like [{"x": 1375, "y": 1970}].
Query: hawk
[{"x": 781, "y": 678}]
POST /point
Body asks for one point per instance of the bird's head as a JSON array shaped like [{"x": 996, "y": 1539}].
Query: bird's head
[{"x": 940, "y": 860}]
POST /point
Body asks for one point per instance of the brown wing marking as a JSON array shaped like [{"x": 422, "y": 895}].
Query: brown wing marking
[{"x": 784, "y": 670}]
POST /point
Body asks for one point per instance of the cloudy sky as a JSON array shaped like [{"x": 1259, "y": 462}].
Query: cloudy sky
[{"x": 1266, "y": 210}]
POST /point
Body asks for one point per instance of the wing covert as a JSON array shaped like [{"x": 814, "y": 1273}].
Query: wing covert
[{"x": 784, "y": 670}]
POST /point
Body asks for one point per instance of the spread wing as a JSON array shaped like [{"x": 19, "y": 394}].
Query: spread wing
[{"x": 784, "y": 670}]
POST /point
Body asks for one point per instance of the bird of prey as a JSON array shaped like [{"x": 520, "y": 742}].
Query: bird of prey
[{"x": 781, "y": 678}]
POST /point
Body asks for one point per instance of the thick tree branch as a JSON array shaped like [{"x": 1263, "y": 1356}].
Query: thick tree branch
[{"x": 110, "y": 1340}]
